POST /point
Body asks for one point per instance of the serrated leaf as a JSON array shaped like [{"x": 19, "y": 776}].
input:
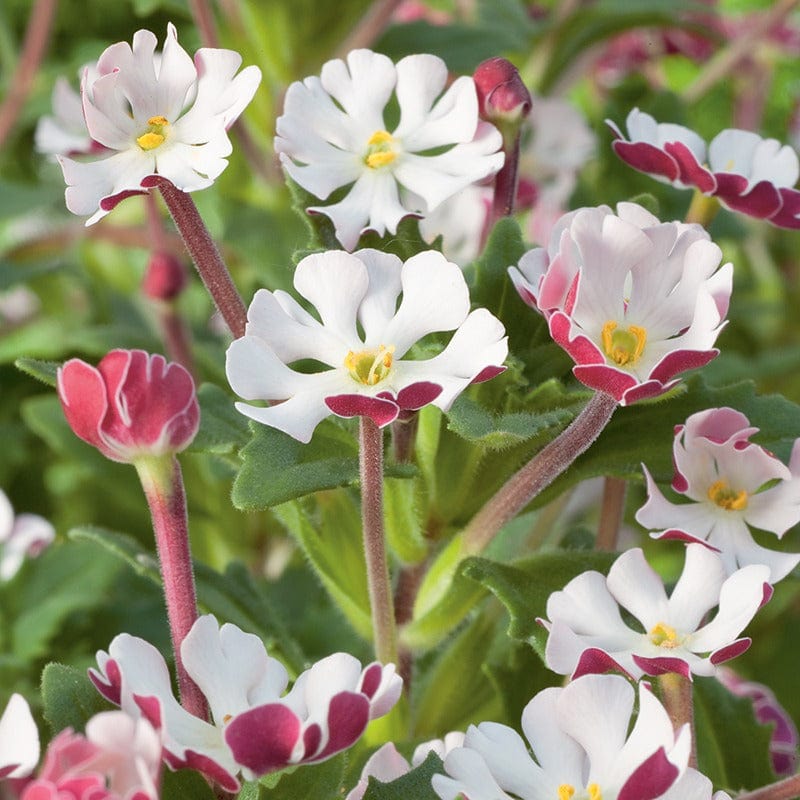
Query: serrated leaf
[
  {"x": 222, "y": 428},
  {"x": 44, "y": 371},
  {"x": 69, "y": 698},
  {"x": 333, "y": 548},
  {"x": 524, "y": 587},
  {"x": 277, "y": 468},
  {"x": 415, "y": 784},
  {"x": 732, "y": 747}
]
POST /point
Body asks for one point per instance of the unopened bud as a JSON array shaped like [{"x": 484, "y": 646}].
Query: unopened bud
[
  {"x": 502, "y": 96},
  {"x": 165, "y": 277}
]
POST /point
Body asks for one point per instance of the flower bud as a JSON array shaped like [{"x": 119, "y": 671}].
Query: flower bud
[
  {"x": 502, "y": 96},
  {"x": 165, "y": 277},
  {"x": 131, "y": 405}
]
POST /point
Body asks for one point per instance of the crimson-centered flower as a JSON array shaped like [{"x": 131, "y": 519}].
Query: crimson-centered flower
[
  {"x": 588, "y": 633},
  {"x": 19, "y": 739},
  {"x": 362, "y": 339},
  {"x": 746, "y": 172},
  {"x": 733, "y": 485},
  {"x": 582, "y": 744},
  {"x": 164, "y": 116},
  {"x": 132, "y": 405},
  {"x": 119, "y": 758},
  {"x": 334, "y": 133},
  {"x": 256, "y": 728},
  {"x": 634, "y": 301}
]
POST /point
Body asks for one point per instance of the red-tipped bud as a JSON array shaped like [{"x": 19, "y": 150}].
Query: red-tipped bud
[
  {"x": 131, "y": 405},
  {"x": 165, "y": 277},
  {"x": 502, "y": 96}
]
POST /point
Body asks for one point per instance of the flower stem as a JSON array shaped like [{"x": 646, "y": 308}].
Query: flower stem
[
  {"x": 212, "y": 269},
  {"x": 676, "y": 695},
  {"x": 162, "y": 482},
  {"x": 787, "y": 789},
  {"x": 610, "y": 514},
  {"x": 505, "y": 182},
  {"x": 539, "y": 472},
  {"x": 380, "y": 589},
  {"x": 702, "y": 209}
]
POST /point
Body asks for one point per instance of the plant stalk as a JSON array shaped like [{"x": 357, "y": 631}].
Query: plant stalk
[
  {"x": 676, "y": 696},
  {"x": 611, "y": 512}
]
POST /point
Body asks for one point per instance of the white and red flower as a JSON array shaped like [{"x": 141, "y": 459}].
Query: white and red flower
[
  {"x": 582, "y": 745},
  {"x": 632, "y": 300},
  {"x": 157, "y": 115},
  {"x": 734, "y": 484},
  {"x": 362, "y": 338},
  {"x": 131, "y": 405},
  {"x": 19, "y": 739},
  {"x": 746, "y": 172},
  {"x": 333, "y": 134},
  {"x": 588, "y": 633},
  {"x": 21, "y": 536},
  {"x": 255, "y": 727},
  {"x": 119, "y": 758}
]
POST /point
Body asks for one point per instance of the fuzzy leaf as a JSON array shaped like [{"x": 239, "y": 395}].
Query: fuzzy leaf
[
  {"x": 319, "y": 781},
  {"x": 185, "y": 784},
  {"x": 69, "y": 698},
  {"x": 222, "y": 427},
  {"x": 44, "y": 371},
  {"x": 415, "y": 784}
]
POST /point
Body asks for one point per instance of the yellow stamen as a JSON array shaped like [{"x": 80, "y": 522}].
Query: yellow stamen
[
  {"x": 380, "y": 150},
  {"x": 227, "y": 718},
  {"x": 370, "y": 366},
  {"x": 155, "y": 136},
  {"x": 594, "y": 792},
  {"x": 663, "y": 635},
  {"x": 721, "y": 493},
  {"x": 565, "y": 791},
  {"x": 623, "y": 347}
]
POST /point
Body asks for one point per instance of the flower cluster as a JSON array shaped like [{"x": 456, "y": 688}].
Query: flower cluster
[
  {"x": 256, "y": 729},
  {"x": 632, "y": 300},
  {"x": 367, "y": 374},
  {"x": 156, "y": 115},
  {"x": 333, "y": 134},
  {"x": 744, "y": 171},
  {"x": 733, "y": 484}
]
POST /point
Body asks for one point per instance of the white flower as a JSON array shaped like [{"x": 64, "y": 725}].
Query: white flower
[
  {"x": 733, "y": 485},
  {"x": 334, "y": 134},
  {"x": 581, "y": 748},
  {"x": 256, "y": 728},
  {"x": 588, "y": 634},
  {"x": 19, "y": 739},
  {"x": 21, "y": 537},
  {"x": 164, "y": 116},
  {"x": 362, "y": 338}
]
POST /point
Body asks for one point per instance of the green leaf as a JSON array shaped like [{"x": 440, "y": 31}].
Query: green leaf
[
  {"x": 276, "y": 468},
  {"x": 44, "y": 371},
  {"x": 69, "y": 697},
  {"x": 524, "y": 587},
  {"x": 122, "y": 546},
  {"x": 222, "y": 427},
  {"x": 402, "y": 520},
  {"x": 318, "y": 781},
  {"x": 185, "y": 784},
  {"x": 732, "y": 747},
  {"x": 66, "y": 578},
  {"x": 415, "y": 784},
  {"x": 331, "y": 540}
]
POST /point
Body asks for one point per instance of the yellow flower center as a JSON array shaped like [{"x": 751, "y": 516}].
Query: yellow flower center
[
  {"x": 155, "y": 134},
  {"x": 623, "y": 346},
  {"x": 663, "y": 635},
  {"x": 567, "y": 791},
  {"x": 380, "y": 150},
  {"x": 721, "y": 493},
  {"x": 370, "y": 366}
]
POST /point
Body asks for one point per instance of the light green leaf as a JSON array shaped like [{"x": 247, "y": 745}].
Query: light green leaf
[{"x": 44, "y": 371}]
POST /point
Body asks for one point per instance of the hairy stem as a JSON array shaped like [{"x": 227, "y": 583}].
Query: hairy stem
[
  {"x": 539, "y": 472},
  {"x": 787, "y": 789},
  {"x": 676, "y": 696},
  {"x": 162, "y": 482},
  {"x": 380, "y": 588},
  {"x": 611, "y": 511},
  {"x": 212, "y": 269}
]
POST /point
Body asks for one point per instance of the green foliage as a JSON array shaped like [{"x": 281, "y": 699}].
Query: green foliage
[
  {"x": 416, "y": 784},
  {"x": 69, "y": 698},
  {"x": 222, "y": 429}
]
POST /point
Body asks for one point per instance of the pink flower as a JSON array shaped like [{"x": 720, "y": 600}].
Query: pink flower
[
  {"x": 255, "y": 727},
  {"x": 118, "y": 759},
  {"x": 132, "y": 405},
  {"x": 733, "y": 485},
  {"x": 745, "y": 172},
  {"x": 502, "y": 96},
  {"x": 632, "y": 300}
]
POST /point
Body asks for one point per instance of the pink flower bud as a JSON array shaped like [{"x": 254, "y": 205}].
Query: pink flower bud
[
  {"x": 132, "y": 404},
  {"x": 502, "y": 96},
  {"x": 165, "y": 277}
]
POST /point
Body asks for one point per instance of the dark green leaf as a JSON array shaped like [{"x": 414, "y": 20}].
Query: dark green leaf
[
  {"x": 318, "y": 781},
  {"x": 222, "y": 427},
  {"x": 415, "y": 784},
  {"x": 185, "y": 784},
  {"x": 69, "y": 697}
]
